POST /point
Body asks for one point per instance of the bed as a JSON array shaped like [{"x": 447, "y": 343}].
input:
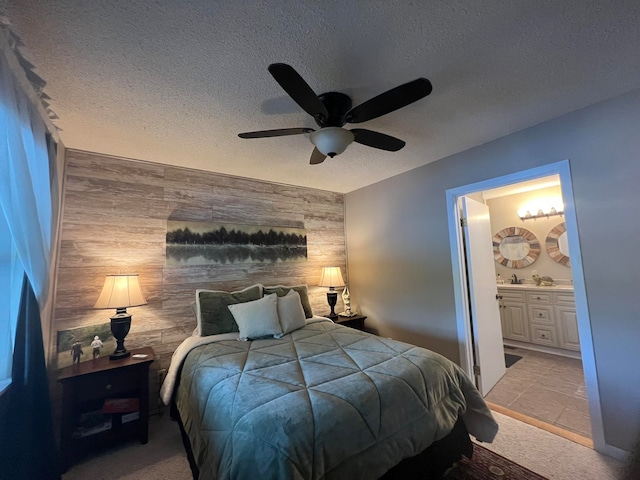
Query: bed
[{"x": 318, "y": 401}]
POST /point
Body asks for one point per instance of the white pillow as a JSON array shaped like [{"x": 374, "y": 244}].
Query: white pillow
[
  {"x": 258, "y": 318},
  {"x": 290, "y": 312}
]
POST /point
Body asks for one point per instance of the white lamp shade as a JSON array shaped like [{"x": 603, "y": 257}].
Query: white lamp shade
[
  {"x": 120, "y": 291},
  {"x": 332, "y": 141},
  {"x": 331, "y": 277}
]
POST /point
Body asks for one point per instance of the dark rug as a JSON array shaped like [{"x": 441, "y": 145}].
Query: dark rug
[
  {"x": 487, "y": 465},
  {"x": 510, "y": 359}
]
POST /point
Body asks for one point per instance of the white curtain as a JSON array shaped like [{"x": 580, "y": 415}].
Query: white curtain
[{"x": 25, "y": 204}]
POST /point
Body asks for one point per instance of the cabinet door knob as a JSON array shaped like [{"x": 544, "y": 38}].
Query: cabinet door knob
[
  {"x": 498, "y": 296},
  {"x": 108, "y": 387}
]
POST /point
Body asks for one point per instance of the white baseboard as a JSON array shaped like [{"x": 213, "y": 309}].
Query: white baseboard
[{"x": 615, "y": 452}]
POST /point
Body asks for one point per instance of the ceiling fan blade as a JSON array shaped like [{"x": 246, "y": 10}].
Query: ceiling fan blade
[
  {"x": 281, "y": 132},
  {"x": 317, "y": 157},
  {"x": 377, "y": 140},
  {"x": 390, "y": 101},
  {"x": 298, "y": 90}
]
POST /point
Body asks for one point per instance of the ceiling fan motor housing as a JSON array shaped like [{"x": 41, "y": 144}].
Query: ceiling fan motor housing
[{"x": 337, "y": 104}]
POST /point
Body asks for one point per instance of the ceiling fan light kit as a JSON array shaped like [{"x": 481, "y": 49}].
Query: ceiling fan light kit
[
  {"x": 332, "y": 110},
  {"x": 332, "y": 141}
]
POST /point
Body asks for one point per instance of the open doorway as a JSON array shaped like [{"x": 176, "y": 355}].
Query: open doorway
[
  {"x": 544, "y": 380},
  {"x": 466, "y": 288}
]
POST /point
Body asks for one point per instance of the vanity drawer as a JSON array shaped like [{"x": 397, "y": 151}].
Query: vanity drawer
[
  {"x": 511, "y": 295},
  {"x": 542, "y": 314},
  {"x": 544, "y": 335},
  {"x": 539, "y": 297},
  {"x": 565, "y": 298}
]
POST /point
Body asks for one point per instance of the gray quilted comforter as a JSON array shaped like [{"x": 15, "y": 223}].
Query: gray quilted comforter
[{"x": 325, "y": 401}]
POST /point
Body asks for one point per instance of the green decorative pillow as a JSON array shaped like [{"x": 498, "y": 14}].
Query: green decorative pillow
[
  {"x": 282, "y": 290},
  {"x": 214, "y": 316}
]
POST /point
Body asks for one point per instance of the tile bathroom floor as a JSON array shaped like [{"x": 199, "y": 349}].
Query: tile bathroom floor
[{"x": 547, "y": 387}]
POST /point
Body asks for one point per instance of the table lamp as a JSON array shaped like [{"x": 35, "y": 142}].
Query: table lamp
[
  {"x": 120, "y": 292},
  {"x": 331, "y": 277}
]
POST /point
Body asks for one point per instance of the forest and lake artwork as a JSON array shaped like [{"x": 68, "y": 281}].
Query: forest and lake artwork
[{"x": 201, "y": 243}]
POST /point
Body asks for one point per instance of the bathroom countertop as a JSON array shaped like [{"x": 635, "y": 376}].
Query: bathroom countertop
[{"x": 531, "y": 286}]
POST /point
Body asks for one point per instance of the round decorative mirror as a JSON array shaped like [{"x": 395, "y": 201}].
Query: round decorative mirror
[
  {"x": 558, "y": 245},
  {"x": 515, "y": 247}
]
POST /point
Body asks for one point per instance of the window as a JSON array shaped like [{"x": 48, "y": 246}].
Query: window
[
  {"x": 25, "y": 205},
  {"x": 11, "y": 273}
]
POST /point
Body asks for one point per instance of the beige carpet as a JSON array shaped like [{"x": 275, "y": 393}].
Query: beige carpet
[
  {"x": 164, "y": 458},
  {"x": 550, "y": 455}
]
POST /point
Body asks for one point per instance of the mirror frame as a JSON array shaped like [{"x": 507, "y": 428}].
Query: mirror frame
[
  {"x": 553, "y": 245},
  {"x": 534, "y": 247}
]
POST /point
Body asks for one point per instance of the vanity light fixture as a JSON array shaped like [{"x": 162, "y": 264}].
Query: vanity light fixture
[{"x": 526, "y": 214}]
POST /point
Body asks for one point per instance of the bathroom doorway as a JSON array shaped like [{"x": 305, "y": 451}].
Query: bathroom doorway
[
  {"x": 544, "y": 379},
  {"x": 463, "y": 284}
]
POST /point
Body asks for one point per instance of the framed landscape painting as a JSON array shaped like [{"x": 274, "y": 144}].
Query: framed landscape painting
[{"x": 201, "y": 243}]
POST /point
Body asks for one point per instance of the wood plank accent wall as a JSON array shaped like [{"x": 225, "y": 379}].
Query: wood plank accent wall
[{"x": 115, "y": 216}]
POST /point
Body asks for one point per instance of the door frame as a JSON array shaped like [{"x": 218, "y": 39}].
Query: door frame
[{"x": 458, "y": 259}]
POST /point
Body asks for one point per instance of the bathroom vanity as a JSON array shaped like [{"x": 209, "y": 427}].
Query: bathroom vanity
[{"x": 539, "y": 315}]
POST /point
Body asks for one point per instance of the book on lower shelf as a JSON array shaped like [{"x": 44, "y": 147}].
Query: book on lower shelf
[
  {"x": 129, "y": 417},
  {"x": 91, "y": 423}
]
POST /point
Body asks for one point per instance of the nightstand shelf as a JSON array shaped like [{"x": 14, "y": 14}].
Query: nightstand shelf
[
  {"x": 85, "y": 427},
  {"x": 355, "y": 321}
]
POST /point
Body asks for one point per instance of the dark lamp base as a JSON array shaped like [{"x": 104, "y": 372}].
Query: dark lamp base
[
  {"x": 119, "y": 355},
  {"x": 332, "y": 299},
  {"x": 120, "y": 325}
]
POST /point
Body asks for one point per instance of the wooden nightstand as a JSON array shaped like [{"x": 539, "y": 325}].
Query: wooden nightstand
[
  {"x": 124, "y": 384},
  {"x": 356, "y": 321}
]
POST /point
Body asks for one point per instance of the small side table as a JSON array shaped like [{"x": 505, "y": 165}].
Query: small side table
[
  {"x": 355, "y": 321},
  {"x": 86, "y": 386}
]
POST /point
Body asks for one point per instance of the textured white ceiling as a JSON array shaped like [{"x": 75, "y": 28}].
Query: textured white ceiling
[{"x": 175, "y": 81}]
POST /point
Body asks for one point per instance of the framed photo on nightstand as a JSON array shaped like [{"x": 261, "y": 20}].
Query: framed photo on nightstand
[{"x": 80, "y": 344}]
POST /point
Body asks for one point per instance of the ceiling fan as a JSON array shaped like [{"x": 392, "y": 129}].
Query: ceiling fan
[{"x": 332, "y": 110}]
